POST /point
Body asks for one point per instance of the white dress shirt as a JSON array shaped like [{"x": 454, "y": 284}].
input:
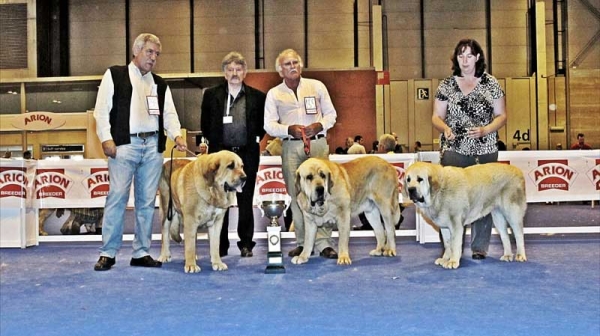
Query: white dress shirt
[
  {"x": 283, "y": 109},
  {"x": 139, "y": 119},
  {"x": 357, "y": 148}
]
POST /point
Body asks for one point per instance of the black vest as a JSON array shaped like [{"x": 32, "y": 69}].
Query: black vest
[{"x": 119, "y": 114}]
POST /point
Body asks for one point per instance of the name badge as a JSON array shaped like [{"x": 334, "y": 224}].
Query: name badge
[
  {"x": 310, "y": 105},
  {"x": 227, "y": 119},
  {"x": 153, "y": 107}
]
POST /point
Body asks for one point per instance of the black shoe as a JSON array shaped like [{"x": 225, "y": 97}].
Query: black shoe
[
  {"x": 329, "y": 253},
  {"x": 246, "y": 252},
  {"x": 145, "y": 261},
  {"x": 478, "y": 255},
  {"x": 104, "y": 264},
  {"x": 296, "y": 252}
]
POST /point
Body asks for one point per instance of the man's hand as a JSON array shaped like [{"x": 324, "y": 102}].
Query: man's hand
[
  {"x": 313, "y": 129},
  {"x": 181, "y": 144},
  {"x": 295, "y": 131},
  {"x": 109, "y": 148},
  {"x": 310, "y": 130}
]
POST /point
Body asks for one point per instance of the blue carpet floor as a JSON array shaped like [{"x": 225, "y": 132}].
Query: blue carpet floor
[{"x": 51, "y": 289}]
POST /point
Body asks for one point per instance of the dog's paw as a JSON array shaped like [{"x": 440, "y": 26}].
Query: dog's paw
[
  {"x": 451, "y": 264},
  {"x": 193, "y": 268},
  {"x": 507, "y": 257},
  {"x": 219, "y": 266},
  {"x": 297, "y": 260},
  {"x": 376, "y": 253},
  {"x": 164, "y": 258},
  {"x": 521, "y": 258},
  {"x": 43, "y": 233},
  {"x": 389, "y": 252},
  {"x": 440, "y": 261},
  {"x": 344, "y": 260}
]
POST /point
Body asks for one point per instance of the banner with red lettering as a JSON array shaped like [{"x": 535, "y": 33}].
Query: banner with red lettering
[
  {"x": 563, "y": 175},
  {"x": 71, "y": 183},
  {"x": 16, "y": 178}
]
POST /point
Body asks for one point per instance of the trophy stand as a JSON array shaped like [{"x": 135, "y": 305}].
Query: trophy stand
[{"x": 273, "y": 210}]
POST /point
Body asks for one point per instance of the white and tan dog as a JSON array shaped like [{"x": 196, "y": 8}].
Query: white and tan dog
[
  {"x": 453, "y": 197},
  {"x": 201, "y": 190},
  {"x": 330, "y": 193}
]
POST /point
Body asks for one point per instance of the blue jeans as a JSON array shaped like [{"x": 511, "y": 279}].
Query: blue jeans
[
  {"x": 481, "y": 229},
  {"x": 141, "y": 163},
  {"x": 292, "y": 156}
]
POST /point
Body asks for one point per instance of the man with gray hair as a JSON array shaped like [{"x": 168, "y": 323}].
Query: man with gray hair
[
  {"x": 232, "y": 119},
  {"x": 134, "y": 109},
  {"x": 387, "y": 143},
  {"x": 300, "y": 111}
]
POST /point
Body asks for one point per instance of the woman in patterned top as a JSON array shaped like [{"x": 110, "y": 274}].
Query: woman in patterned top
[{"x": 469, "y": 109}]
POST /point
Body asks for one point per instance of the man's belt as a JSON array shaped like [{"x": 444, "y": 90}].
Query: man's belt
[
  {"x": 144, "y": 135},
  {"x": 315, "y": 137}
]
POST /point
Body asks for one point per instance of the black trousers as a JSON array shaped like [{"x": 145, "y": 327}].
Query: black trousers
[{"x": 245, "y": 227}]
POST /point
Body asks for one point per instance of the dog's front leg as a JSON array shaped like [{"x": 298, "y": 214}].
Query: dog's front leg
[
  {"x": 310, "y": 233},
  {"x": 455, "y": 246},
  {"x": 190, "y": 230},
  {"x": 214, "y": 239}
]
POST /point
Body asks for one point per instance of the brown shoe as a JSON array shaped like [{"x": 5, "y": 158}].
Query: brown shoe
[
  {"x": 246, "y": 252},
  {"x": 478, "y": 255},
  {"x": 104, "y": 263},
  {"x": 329, "y": 253},
  {"x": 145, "y": 261},
  {"x": 296, "y": 252}
]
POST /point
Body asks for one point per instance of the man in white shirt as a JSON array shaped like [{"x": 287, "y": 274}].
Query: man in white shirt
[
  {"x": 300, "y": 108},
  {"x": 357, "y": 147},
  {"x": 133, "y": 110}
]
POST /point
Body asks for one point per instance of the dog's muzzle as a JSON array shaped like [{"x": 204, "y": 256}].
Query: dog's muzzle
[
  {"x": 320, "y": 200},
  {"x": 414, "y": 195},
  {"x": 237, "y": 187}
]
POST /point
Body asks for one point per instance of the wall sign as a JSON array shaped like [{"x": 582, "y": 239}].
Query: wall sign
[
  {"x": 423, "y": 93},
  {"x": 38, "y": 121},
  {"x": 62, "y": 148}
]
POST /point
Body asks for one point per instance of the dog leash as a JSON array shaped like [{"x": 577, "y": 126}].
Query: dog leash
[
  {"x": 170, "y": 206},
  {"x": 306, "y": 142}
]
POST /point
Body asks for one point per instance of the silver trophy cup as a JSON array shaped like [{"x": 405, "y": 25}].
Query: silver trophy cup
[{"x": 273, "y": 209}]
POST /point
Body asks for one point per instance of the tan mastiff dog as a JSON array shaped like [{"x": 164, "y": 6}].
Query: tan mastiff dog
[
  {"x": 201, "y": 191},
  {"x": 330, "y": 193},
  {"x": 453, "y": 197}
]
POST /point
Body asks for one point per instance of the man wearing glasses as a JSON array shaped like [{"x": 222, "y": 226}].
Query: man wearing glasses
[{"x": 300, "y": 111}]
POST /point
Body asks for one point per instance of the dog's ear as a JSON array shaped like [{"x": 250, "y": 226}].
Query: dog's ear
[
  {"x": 210, "y": 169},
  {"x": 329, "y": 182},
  {"x": 434, "y": 180},
  {"x": 298, "y": 183}
]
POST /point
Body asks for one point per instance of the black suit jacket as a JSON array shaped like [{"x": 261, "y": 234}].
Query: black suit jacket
[{"x": 213, "y": 109}]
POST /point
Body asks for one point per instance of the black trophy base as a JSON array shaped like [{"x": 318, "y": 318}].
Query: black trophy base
[
  {"x": 274, "y": 269},
  {"x": 274, "y": 263}
]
